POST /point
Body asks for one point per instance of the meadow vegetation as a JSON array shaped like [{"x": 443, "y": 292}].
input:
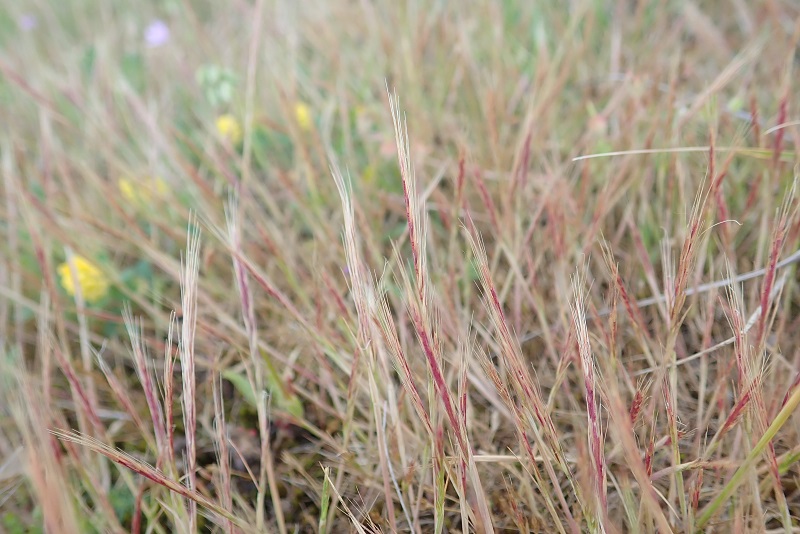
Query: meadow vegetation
[{"x": 421, "y": 266}]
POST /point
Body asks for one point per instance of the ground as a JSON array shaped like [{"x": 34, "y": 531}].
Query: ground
[{"x": 424, "y": 266}]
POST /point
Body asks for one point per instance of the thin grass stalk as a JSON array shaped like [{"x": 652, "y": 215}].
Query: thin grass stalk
[
  {"x": 595, "y": 435},
  {"x": 145, "y": 374},
  {"x": 267, "y": 476},
  {"x": 362, "y": 295},
  {"x": 189, "y": 279},
  {"x": 169, "y": 391},
  {"x": 751, "y": 369},
  {"x": 223, "y": 454},
  {"x": 397, "y": 489},
  {"x": 383, "y": 457},
  {"x": 536, "y": 412},
  {"x": 462, "y": 405},
  {"x": 439, "y": 481},
  {"x": 354, "y": 520},
  {"x": 675, "y": 283},
  {"x": 779, "y": 237},
  {"x": 233, "y": 214},
  {"x": 325, "y": 499},
  {"x": 86, "y": 357},
  {"x": 125, "y": 400},
  {"x": 390, "y": 337},
  {"x": 752, "y": 457},
  {"x": 148, "y": 471},
  {"x": 420, "y": 306},
  {"x": 46, "y": 471}
]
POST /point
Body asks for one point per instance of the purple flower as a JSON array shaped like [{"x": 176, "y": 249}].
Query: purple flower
[
  {"x": 27, "y": 22},
  {"x": 156, "y": 34}
]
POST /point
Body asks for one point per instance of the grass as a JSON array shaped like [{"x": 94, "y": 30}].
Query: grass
[{"x": 426, "y": 267}]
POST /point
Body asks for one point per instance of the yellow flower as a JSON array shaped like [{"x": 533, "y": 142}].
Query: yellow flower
[
  {"x": 302, "y": 115},
  {"x": 143, "y": 192},
  {"x": 127, "y": 190},
  {"x": 369, "y": 175},
  {"x": 93, "y": 283},
  {"x": 229, "y": 129}
]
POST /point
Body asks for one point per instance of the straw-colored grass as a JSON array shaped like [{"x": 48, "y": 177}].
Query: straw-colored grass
[{"x": 339, "y": 266}]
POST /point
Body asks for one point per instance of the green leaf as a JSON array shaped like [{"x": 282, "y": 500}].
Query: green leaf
[
  {"x": 282, "y": 399},
  {"x": 133, "y": 70},
  {"x": 141, "y": 270},
  {"x": 325, "y": 501},
  {"x": 272, "y": 149},
  {"x": 218, "y": 84},
  {"x": 123, "y": 502},
  {"x": 242, "y": 385},
  {"x": 88, "y": 60},
  {"x": 12, "y": 524}
]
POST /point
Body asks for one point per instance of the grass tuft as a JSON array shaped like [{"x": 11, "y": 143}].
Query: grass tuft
[{"x": 553, "y": 289}]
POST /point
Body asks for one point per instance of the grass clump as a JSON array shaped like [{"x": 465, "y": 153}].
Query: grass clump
[{"x": 552, "y": 287}]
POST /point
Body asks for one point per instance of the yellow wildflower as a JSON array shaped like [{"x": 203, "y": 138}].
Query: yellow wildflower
[
  {"x": 144, "y": 192},
  {"x": 302, "y": 115},
  {"x": 228, "y": 128},
  {"x": 93, "y": 283},
  {"x": 127, "y": 190},
  {"x": 369, "y": 175}
]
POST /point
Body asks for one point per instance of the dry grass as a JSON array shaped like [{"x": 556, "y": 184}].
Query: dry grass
[{"x": 549, "y": 287}]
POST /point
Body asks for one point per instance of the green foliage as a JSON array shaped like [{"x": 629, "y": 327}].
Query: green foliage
[
  {"x": 272, "y": 149},
  {"x": 217, "y": 83},
  {"x": 389, "y": 415},
  {"x": 134, "y": 71},
  {"x": 13, "y": 524},
  {"x": 280, "y": 398},
  {"x": 88, "y": 61},
  {"x": 123, "y": 501}
]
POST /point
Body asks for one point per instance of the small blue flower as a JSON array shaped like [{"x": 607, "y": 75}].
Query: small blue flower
[
  {"x": 27, "y": 22},
  {"x": 156, "y": 34}
]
